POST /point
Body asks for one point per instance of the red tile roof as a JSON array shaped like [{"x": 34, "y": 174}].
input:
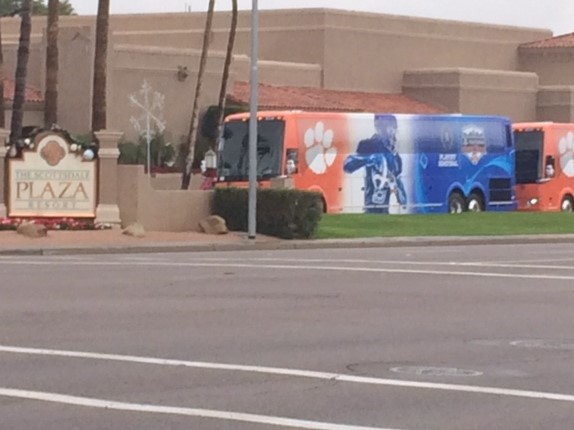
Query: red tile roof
[
  {"x": 318, "y": 99},
  {"x": 33, "y": 95},
  {"x": 563, "y": 41}
]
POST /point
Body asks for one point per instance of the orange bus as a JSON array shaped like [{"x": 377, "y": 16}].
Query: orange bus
[
  {"x": 378, "y": 162},
  {"x": 544, "y": 166}
]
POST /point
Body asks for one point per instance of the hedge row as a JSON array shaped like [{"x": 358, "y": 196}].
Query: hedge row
[{"x": 284, "y": 213}]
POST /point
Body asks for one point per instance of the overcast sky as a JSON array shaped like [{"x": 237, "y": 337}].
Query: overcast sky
[{"x": 556, "y": 15}]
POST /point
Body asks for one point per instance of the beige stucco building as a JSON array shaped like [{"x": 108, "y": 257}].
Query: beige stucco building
[{"x": 448, "y": 66}]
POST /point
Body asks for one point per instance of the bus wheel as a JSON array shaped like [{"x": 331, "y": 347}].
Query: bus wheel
[
  {"x": 567, "y": 205},
  {"x": 456, "y": 203},
  {"x": 475, "y": 203}
]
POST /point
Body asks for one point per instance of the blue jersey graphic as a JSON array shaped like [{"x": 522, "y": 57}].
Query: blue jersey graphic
[{"x": 383, "y": 166}]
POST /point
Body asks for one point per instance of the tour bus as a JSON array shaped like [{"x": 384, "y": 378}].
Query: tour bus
[
  {"x": 544, "y": 166},
  {"x": 378, "y": 163}
]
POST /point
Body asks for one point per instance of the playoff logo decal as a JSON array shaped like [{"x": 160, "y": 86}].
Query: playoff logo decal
[{"x": 473, "y": 143}]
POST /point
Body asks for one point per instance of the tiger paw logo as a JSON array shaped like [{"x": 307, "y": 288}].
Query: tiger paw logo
[
  {"x": 566, "y": 149},
  {"x": 320, "y": 153},
  {"x": 53, "y": 153}
]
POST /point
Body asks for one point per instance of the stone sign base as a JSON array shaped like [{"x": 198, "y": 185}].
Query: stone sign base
[{"x": 108, "y": 214}]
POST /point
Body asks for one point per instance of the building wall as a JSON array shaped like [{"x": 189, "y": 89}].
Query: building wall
[
  {"x": 510, "y": 94},
  {"x": 276, "y": 44},
  {"x": 313, "y": 47},
  {"x": 33, "y": 116},
  {"x": 439, "y": 86},
  {"x": 553, "y": 66},
  {"x": 170, "y": 100},
  {"x": 352, "y": 48},
  {"x": 289, "y": 35},
  {"x": 556, "y": 103},
  {"x": 172, "y": 181},
  {"x": 280, "y": 73},
  {"x": 36, "y": 63},
  {"x": 476, "y": 91},
  {"x": 75, "y": 80},
  {"x": 151, "y": 60},
  {"x": 371, "y": 52},
  {"x": 159, "y": 210}
]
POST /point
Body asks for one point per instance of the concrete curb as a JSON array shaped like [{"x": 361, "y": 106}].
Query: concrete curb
[{"x": 391, "y": 242}]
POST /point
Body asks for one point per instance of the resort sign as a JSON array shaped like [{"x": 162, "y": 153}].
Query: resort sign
[{"x": 52, "y": 178}]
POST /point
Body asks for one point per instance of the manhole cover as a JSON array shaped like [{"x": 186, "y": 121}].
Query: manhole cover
[
  {"x": 436, "y": 371},
  {"x": 544, "y": 344}
]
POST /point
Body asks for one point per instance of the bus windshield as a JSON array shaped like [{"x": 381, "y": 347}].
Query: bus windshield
[
  {"x": 528, "y": 156},
  {"x": 234, "y": 152}
]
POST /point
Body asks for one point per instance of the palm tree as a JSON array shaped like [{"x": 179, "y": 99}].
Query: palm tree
[
  {"x": 65, "y": 8},
  {"x": 51, "y": 94},
  {"x": 5, "y": 10},
  {"x": 21, "y": 71},
  {"x": 192, "y": 135},
  {"x": 100, "y": 66},
  {"x": 2, "y": 110},
  {"x": 226, "y": 67},
  {"x": 7, "y": 7}
]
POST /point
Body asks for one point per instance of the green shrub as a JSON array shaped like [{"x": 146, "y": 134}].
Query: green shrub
[
  {"x": 162, "y": 152},
  {"x": 231, "y": 205},
  {"x": 288, "y": 214},
  {"x": 131, "y": 153}
]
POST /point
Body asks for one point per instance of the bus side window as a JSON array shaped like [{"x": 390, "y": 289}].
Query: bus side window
[
  {"x": 292, "y": 162},
  {"x": 550, "y": 166}
]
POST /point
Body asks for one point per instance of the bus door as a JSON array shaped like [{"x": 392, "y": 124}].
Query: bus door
[{"x": 530, "y": 168}]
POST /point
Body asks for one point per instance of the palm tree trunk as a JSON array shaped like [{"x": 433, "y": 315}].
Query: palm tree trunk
[
  {"x": 194, "y": 123},
  {"x": 100, "y": 67},
  {"x": 226, "y": 67},
  {"x": 21, "y": 71},
  {"x": 2, "y": 99},
  {"x": 51, "y": 95}
]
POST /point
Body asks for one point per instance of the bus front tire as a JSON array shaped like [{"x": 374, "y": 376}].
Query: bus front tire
[
  {"x": 567, "y": 204},
  {"x": 456, "y": 203},
  {"x": 475, "y": 203}
]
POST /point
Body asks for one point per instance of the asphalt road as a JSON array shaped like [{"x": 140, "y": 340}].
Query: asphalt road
[{"x": 429, "y": 338}]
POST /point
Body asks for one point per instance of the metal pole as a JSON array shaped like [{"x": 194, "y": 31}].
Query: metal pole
[
  {"x": 252, "y": 208},
  {"x": 148, "y": 144},
  {"x": 148, "y": 135}
]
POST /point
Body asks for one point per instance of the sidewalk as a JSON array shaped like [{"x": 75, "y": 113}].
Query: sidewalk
[{"x": 113, "y": 242}]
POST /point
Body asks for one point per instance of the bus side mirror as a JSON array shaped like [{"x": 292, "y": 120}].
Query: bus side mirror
[
  {"x": 291, "y": 163},
  {"x": 550, "y": 166}
]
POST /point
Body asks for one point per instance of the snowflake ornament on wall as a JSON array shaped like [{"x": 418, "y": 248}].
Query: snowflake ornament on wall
[{"x": 151, "y": 105}]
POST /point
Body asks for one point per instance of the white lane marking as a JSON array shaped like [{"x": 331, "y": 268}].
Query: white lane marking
[
  {"x": 538, "y": 260},
  {"x": 540, "y": 395},
  {"x": 404, "y": 263},
  {"x": 206, "y": 260},
  {"x": 291, "y": 267},
  {"x": 170, "y": 410},
  {"x": 500, "y": 264}
]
